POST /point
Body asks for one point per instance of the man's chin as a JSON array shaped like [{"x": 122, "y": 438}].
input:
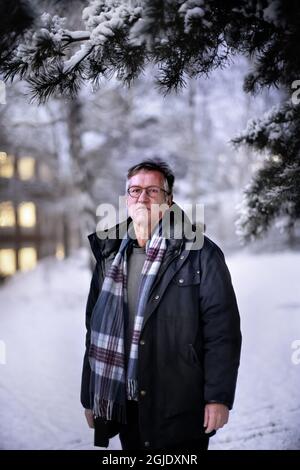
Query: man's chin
[{"x": 142, "y": 218}]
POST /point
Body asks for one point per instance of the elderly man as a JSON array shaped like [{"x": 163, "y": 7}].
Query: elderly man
[{"x": 163, "y": 330}]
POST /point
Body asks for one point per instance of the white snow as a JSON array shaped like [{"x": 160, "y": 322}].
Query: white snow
[
  {"x": 191, "y": 10},
  {"x": 77, "y": 57},
  {"x": 76, "y": 35},
  {"x": 104, "y": 18},
  {"x": 42, "y": 328}
]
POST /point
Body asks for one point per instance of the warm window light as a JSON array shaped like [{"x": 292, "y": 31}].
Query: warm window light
[
  {"x": 27, "y": 214},
  {"x": 26, "y": 166},
  {"x": 60, "y": 251},
  {"x": 7, "y": 214},
  {"x": 27, "y": 258},
  {"x": 6, "y": 165},
  {"x": 3, "y": 157},
  {"x": 7, "y": 262}
]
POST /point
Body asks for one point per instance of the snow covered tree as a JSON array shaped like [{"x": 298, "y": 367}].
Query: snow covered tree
[
  {"x": 184, "y": 39},
  {"x": 275, "y": 189}
]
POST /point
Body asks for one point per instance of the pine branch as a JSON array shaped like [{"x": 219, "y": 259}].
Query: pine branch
[
  {"x": 120, "y": 56},
  {"x": 54, "y": 81},
  {"x": 14, "y": 68},
  {"x": 45, "y": 48},
  {"x": 74, "y": 36},
  {"x": 273, "y": 192},
  {"x": 73, "y": 63},
  {"x": 276, "y": 185}
]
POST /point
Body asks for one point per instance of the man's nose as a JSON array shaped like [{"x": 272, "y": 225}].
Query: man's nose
[{"x": 143, "y": 196}]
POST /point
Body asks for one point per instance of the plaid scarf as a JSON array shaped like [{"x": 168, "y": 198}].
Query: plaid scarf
[{"x": 111, "y": 382}]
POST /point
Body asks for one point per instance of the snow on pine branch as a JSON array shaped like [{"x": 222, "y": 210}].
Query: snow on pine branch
[
  {"x": 51, "y": 61},
  {"x": 53, "y": 25},
  {"x": 183, "y": 37},
  {"x": 192, "y": 11},
  {"x": 274, "y": 190},
  {"x": 275, "y": 130},
  {"x": 76, "y": 35},
  {"x": 103, "y": 18},
  {"x": 78, "y": 57}
]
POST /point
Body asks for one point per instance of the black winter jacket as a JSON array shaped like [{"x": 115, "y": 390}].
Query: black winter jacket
[{"x": 190, "y": 342}]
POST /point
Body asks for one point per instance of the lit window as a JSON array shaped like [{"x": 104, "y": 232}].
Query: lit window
[
  {"x": 27, "y": 214},
  {"x": 7, "y": 214},
  {"x": 7, "y": 262},
  {"x": 6, "y": 165},
  {"x": 26, "y": 167},
  {"x": 60, "y": 251},
  {"x": 27, "y": 258}
]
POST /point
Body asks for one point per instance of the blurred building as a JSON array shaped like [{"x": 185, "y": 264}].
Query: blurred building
[{"x": 29, "y": 227}]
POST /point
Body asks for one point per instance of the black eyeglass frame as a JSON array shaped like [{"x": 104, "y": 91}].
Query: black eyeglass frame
[{"x": 136, "y": 197}]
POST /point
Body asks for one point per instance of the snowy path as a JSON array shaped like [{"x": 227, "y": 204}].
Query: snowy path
[{"x": 42, "y": 325}]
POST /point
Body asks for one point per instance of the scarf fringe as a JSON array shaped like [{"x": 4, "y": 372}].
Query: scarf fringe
[
  {"x": 132, "y": 389},
  {"x": 109, "y": 410}
]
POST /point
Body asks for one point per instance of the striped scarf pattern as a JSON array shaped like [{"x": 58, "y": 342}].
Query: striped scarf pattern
[{"x": 112, "y": 380}]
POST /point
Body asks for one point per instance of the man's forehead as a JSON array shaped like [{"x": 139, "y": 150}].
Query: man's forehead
[{"x": 147, "y": 176}]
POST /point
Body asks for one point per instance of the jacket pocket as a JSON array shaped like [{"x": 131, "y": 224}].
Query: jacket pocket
[
  {"x": 187, "y": 275},
  {"x": 183, "y": 387},
  {"x": 187, "y": 278}
]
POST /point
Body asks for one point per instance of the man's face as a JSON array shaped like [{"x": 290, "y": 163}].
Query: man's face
[{"x": 142, "y": 209}]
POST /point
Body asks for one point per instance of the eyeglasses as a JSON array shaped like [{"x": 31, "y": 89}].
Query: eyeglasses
[{"x": 151, "y": 191}]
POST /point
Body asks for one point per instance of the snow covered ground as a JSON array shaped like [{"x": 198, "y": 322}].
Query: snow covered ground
[{"x": 42, "y": 327}]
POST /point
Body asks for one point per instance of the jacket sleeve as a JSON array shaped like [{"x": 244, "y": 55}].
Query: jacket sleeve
[
  {"x": 86, "y": 370},
  {"x": 221, "y": 328}
]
